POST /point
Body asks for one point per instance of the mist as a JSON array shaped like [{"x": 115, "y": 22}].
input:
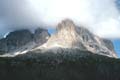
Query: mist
[{"x": 102, "y": 17}]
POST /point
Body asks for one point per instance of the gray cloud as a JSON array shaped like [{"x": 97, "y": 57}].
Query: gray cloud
[
  {"x": 17, "y": 14},
  {"x": 100, "y": 16}
]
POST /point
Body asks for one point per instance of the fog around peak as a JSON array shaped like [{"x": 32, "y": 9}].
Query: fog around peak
[{"x": 100, "y": 16}]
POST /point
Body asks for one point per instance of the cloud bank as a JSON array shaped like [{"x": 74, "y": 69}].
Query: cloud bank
[{"x": 100, "y": 16}]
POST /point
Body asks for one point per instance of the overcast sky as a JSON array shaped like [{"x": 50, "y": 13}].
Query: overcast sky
[{"x": 100, "y": 16}]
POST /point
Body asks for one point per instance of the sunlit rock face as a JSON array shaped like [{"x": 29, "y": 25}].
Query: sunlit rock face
[
  {"x": 65, "y": 37},
  {"x": 68, "y": 35},
  {"x": 21, "y": 40}
]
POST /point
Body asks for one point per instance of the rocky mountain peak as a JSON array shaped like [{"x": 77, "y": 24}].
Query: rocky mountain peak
[
  {"x": 69, "y": 35},
  {"x": 41, "y": 35},
  {"x": 65, "y": 36},
  {"x": 24, "y": 39},
  {"x": 66, "y": 24}
]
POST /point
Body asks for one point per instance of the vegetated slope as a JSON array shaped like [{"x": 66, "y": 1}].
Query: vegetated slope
[{"x": 65, "y": 65}]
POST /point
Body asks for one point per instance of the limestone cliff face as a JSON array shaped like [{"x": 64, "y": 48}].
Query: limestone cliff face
[{"x": 68, "y": 35}]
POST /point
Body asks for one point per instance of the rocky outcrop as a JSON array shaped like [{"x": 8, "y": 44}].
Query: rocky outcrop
[
  {"x": 68, "y": 35},
  {"x": 16, "y": 40},
  {"x": 41, "y": 35},
  {"x": 108, "y": 44}
]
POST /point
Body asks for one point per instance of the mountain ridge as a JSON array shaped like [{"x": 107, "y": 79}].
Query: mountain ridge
[
  {"x": 69, "y": 35},
  {"x": 24, "y": 39}
]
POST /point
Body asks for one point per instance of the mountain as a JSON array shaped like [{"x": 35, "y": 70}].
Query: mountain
[
  {"x": 72, "y": 53},
  {"x": 69, "y": 35},
  {"x": 21, "y": 40}
]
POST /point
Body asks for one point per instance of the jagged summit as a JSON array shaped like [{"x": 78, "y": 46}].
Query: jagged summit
[
  {"x": 23, "y": 40},
  {"x": 66, "y": 24},
  {"x": 68, "y": 35}
]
